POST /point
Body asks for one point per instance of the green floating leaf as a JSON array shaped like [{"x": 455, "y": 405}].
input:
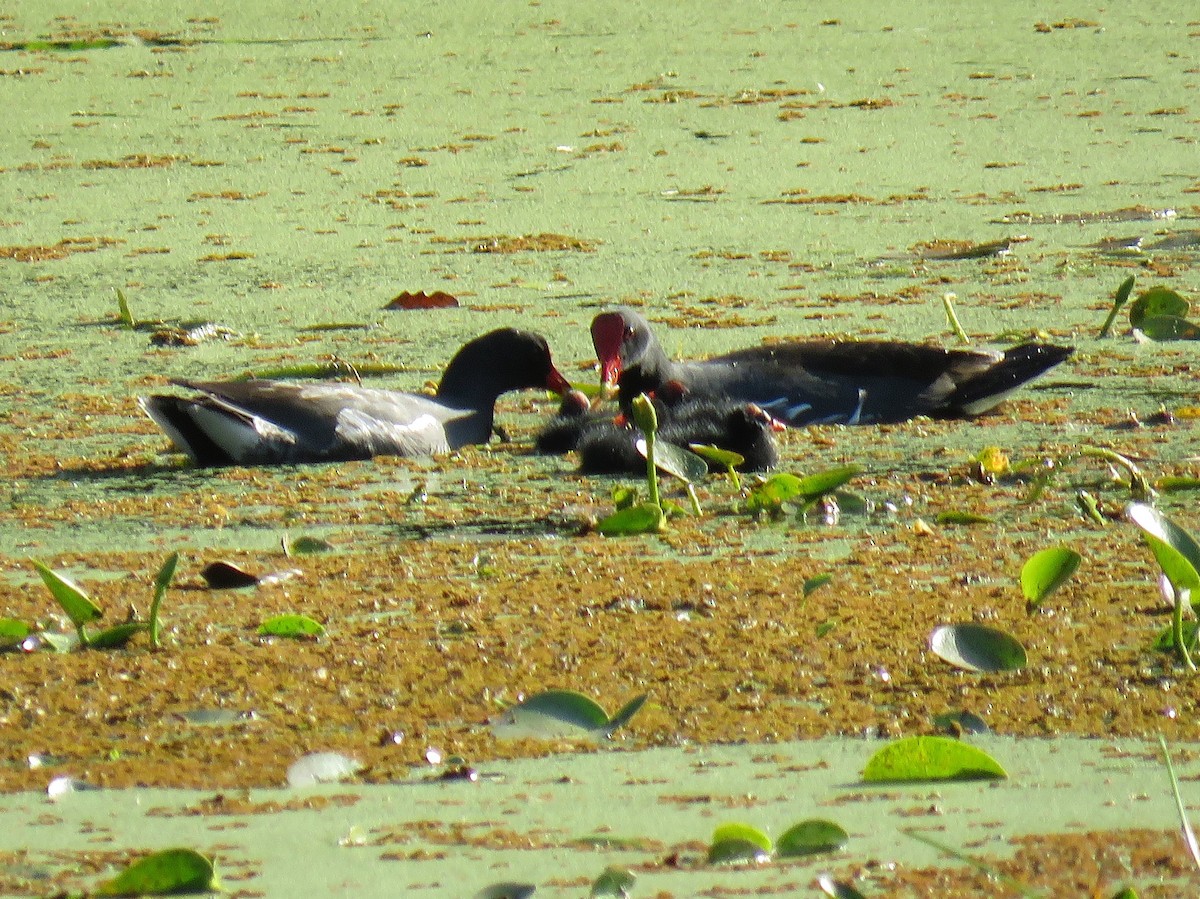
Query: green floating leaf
[
  {"x": 1046, "y": 571},
  {"x": 644, "y": 518},
  {"x": 718, "y": 456},
  {"x": 79, "y": 608},
  {"x": 12, "y": 633},
  {"x": 307, "y": 546},
  {"x": 675, "y": 460},
  {"x": 1165, "y": 641},
  {"x": 614, "y": 881},
  {"x": 1155, "y": 302},
  {"x": 953, "y": 517},
  {"x": 813, "y": 584},
  {"x": 1176, "y": 483},
  {"x": 291, "y": 626},
  {"x": 811, "y": 837},
  {"x": 735, "y": 842},
  {"x": 1177, "y": 552},
  {"x": 771, "y": 493},
  {"x": 961, "y": 722},
  {"x": 170, "y": 872},
  {"x": 976, "y": 647},
  {"x": 626, "y": 712},
  {"x": 116, "y": 636},
  {"x": 930, "y": 758}
]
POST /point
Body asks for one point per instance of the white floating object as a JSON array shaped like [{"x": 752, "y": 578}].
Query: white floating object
[{"x": 321, "y": 767}]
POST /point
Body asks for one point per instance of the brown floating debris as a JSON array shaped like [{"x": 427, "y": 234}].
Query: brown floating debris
[
  {"x": 962, "y": 249},
  {"x": 439, "y": 299}
]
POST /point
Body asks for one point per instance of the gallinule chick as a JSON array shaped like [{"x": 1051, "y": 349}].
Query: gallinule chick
[
  {"x": 744, "y": 428},
  {"x": 574, "y": 419},
  {"x": 824, "y": 381},
  {"x": 262, "y": 422}
]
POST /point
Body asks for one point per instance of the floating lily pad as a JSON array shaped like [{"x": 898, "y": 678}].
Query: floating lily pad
[
  {"x": 79, "y": 608},
  {"x": 294, "y": 626},
  {"x": 166, "y": 873},
  {"x": 976, "y": 647},
  {"x": 321, "y": 767},
  {"x": 1157, "y": 301},
  {"x": 117, "y": 636},
  {"x": 930, "y": 758},
  {"x": 643, "y": 518},
  {"x": 613, "y": 881},
  {"x": 771, "y": 493},
  {"x": 1176, "y": 551},
  {"x": 1046, "y": 571},
  {"x": 811, "y": 837},
  {"x": 739, "y": 843},
  {"x": 1161, "y": 314},
  {"x": 307, "y": 546}
]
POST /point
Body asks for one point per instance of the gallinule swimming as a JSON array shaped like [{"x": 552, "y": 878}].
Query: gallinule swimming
[
  {"x": 262, "y": 422},
  {"x": 743, "y": 428},
  {"x": 824, "y": 381}
]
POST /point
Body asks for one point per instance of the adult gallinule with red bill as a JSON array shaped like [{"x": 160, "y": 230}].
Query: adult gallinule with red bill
[
  {"x": 805, "y": 382},
  {"x": 261, "y": 422}
]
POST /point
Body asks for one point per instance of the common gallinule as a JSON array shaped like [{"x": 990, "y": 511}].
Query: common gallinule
[
  {"x": 608, "y": 444},
  {"x": 262, "y": 422},
  {"x": 824, "y": 381}
]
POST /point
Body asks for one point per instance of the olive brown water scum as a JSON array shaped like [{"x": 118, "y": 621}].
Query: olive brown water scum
[{"x": 259, "y": 182}]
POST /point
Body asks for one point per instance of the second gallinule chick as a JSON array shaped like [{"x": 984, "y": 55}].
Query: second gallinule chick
[
  {"x": 824, "y": 381},
  {"x": 611, "y": 447},
  {"x": 261, "y": 422}
]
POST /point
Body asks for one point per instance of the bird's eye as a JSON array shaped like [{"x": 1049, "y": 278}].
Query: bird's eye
[{"x": 628, "y": 331}]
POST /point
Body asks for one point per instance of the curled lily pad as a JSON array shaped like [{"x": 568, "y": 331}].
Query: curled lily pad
[
  {"x": 117, "y": 636},
  {"x": 1177, "y": 552},
  {"x": 170, "y": 872},
  {"x": 1046, "y": 571},
  {"x": 976, "y": 647},
  {"x": 739, "y": 843},
  {"x": 813, "y": 584},
  {"x": 930, "y": 758},
  {"x": 1157, "y": 301},
  {"x": 811, "y": 837},
  {"x": 563, "y": 713},
  {"x": 675, "y": 460},
  {"x": 79, "y": 608}
]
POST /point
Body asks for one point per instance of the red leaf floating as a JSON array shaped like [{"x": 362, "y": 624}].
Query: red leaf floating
[{"x": 439, "y": 299}]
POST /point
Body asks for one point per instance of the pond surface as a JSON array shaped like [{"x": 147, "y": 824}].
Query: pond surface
[{"x": 740, "y": 173}]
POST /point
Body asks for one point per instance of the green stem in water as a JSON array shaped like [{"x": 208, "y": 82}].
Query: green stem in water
[{"x": 952, "y": 316}]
